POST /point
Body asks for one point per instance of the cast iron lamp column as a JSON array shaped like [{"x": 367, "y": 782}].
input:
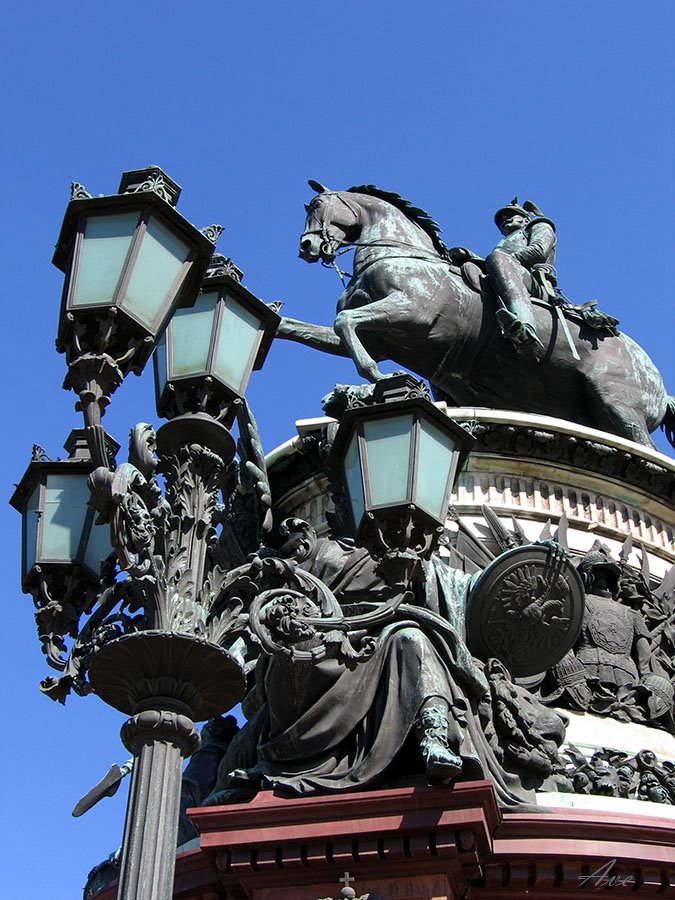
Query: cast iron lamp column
[
  {"x": 176, "y": 673},
  {"x": 149, "y": 647}
]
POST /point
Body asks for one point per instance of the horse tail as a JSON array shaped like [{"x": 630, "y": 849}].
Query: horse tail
[{"x": 668, "y": 421}]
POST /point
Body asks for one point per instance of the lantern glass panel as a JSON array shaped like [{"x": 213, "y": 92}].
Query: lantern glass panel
[
  {"x": 104, "y": 249},
  {"x": 238, "y": 339},
  {"x": 65, "y": 510},
  {"x": 31, "y": 518},
  {"x": 352, "y": 467},
  {"x": 435, "y": 458},
  {"x": 160, "y": 362},
  {"x": 388, "y": 451},
  {"x": 98, "y": 547},
  {"x": 160, "y": 259},
  {"x": 191, "y": 337}
]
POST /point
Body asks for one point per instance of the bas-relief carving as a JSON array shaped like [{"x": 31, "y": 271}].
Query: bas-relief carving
[{"x": 622, "y": 664}]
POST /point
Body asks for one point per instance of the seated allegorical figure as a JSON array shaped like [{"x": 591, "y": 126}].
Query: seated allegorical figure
[{"x": 419, "y": 704}]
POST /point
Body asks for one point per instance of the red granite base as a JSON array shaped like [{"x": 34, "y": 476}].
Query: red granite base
[
  {"x": 404, "y": 842},
  {"x": 423, "y": 842},
  {"x": 420, "y": 843}
]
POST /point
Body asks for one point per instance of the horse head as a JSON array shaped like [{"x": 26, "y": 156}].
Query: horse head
[{"x": 332, "y": 221}]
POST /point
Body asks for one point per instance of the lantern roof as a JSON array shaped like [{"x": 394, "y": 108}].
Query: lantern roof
[{"x": 78, "y": 457}]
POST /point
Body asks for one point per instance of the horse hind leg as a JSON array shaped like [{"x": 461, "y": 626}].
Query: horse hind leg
[{"x": 619, "y": 416}]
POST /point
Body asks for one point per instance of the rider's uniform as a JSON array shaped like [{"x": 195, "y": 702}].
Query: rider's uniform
[
  {"x": 519, "y": 266},
  {"x": 532, "y": 246}
]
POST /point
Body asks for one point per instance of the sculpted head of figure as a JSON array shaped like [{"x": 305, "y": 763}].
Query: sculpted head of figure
[
  {"x": 599, "y": 571},
  {"x": 511, "y": 217}
]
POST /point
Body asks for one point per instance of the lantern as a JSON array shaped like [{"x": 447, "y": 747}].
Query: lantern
[
  {"x": 208, "y": 351},
  {"x": 401, "y": 455},
  {"x": 129, "y": 260},
  {"x": 59, "y": 531}
]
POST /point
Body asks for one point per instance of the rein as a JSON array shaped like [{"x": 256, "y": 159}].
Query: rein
[
  {"x": 332, "y": 246},
  {"x": 351, "y": 245}
]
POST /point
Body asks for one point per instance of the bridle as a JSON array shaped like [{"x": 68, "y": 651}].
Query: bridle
[
  {"x": 333, "y": 246},
  {"x": 330, "y": 244}
]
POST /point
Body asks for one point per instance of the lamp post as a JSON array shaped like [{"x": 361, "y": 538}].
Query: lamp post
[
  {"x": 149, "y": 646},
  {"x": 169, "y": 606}
]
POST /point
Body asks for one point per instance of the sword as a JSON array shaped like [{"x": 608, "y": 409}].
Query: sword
[{"x": 566, "y": 331}]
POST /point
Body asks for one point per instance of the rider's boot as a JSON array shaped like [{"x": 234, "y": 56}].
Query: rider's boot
[
  {"x": 442, "y": 765},
  {"x": 522, "y": 333}
]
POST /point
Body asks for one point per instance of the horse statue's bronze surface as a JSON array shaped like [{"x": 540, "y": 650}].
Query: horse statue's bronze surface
[{"x": 408, "y": 303}]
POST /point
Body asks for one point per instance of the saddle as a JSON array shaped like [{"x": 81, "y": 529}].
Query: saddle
[{"x": 545, "y": 292}]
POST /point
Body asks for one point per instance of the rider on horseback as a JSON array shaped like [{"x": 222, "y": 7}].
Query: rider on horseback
[{"x": 520, "y": 266}]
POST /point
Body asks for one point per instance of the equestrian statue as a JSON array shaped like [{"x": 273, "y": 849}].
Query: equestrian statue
[{"x": 491, "y": 333}]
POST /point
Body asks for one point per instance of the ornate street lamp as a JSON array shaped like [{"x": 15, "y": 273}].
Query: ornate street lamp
[
  {"x": 62, "y": 546},
  {"x": 399, "y": 457},
  {"x": 129, "y": 259},
  {"x": 170, "y": 619},
  {"x": 204, "y": 359},
  {"x": 152, "y": 645}
]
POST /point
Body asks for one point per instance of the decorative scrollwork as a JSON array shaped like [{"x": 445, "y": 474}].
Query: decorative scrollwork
[
  {"x": 212, "y": 232},
  {"x": 156, "y": 183},
  {"x": 78, "y": 191},
  {"x": 39, "y": 454},
  {"x": 178, "y": 550},
  {"x": 223, "y": 265}
]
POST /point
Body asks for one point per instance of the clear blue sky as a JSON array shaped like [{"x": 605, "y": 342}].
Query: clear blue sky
[{"x": 457, "y": 105}]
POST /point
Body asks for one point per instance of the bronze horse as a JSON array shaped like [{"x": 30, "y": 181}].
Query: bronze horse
[{"x": 407, "y": 303}]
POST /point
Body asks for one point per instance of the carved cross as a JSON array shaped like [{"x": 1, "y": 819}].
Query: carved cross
[{"x": 346, "y": 879}]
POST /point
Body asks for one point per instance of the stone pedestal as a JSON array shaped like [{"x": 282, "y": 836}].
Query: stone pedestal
[
  {"x": 414, "y": 842},
  {"x": 421, "y": 843}
]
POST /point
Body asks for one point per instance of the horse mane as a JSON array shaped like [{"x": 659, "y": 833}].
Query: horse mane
[{"x": 414, "y": 213}]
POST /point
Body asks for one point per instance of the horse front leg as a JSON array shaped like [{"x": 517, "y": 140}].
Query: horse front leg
[
  {"x": 396, "y": 307},
  {"x": 320, "y": 337}
]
